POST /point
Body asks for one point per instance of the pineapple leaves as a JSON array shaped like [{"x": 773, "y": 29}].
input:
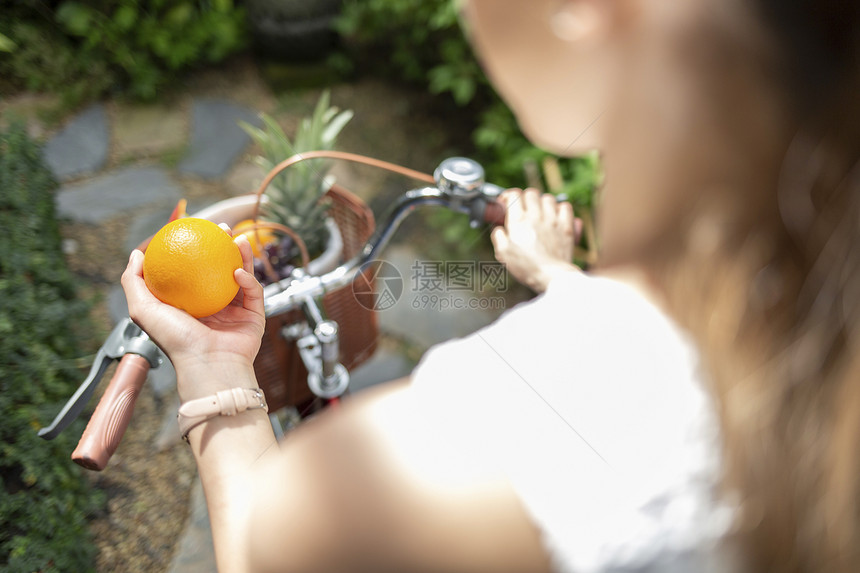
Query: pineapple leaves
[
  {"x": 334, "y": 127},
  {"x": 295, "y": 195}
]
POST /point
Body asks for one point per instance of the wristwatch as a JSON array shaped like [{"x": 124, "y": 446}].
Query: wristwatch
[{"x": 224, "y": 403}]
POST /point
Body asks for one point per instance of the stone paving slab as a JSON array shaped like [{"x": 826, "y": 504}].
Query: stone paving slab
[
  {"x": 116, "y": 303},
  {"x": 424, "y": 320},
  {"x": 149, "y": 222},
  {"x": 81, "y": 147},
  {"x": 106, "y": 196},
  {"x": 244, "y": 178},
  {"x": 216, "y": 138},
  {"x": 145, "y": 130},
  {"x": 384, "y": 366},
  {"x": 169, "y": 435}
]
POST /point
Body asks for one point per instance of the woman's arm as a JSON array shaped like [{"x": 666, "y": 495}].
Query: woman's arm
[
  {"x": 213, "y": 354},
  {"x": 376, "y": 485},
  {"x": 381, "y": 485}
]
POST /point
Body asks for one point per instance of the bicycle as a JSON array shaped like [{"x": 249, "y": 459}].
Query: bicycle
[{"x": 457, "y": 184}]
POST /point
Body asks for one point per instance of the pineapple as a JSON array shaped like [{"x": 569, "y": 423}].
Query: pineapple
[{"x": 295, "y": 195}]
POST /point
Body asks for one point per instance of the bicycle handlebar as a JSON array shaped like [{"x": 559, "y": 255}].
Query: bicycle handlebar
[
  {"x": 494, "y": 213},
  {"x": 109, "y": 421}
]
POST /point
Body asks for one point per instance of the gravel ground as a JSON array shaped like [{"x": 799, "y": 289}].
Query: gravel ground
[{"x": 147, "y": 496}]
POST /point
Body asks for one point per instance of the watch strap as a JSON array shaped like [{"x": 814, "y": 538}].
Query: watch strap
[{"x": 224, "y": 403}]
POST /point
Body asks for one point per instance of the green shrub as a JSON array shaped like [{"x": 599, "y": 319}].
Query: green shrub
[
  {"x": 87, "y": 48},
  {"x": 418, "y": 40},
  {"x": 44, "y": 497},
  {"x": 421, "y": 41},
  {"x": 45, "y": 62}
]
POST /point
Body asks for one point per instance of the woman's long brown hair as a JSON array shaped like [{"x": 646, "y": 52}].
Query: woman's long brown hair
[{"x": 770, "y": 289}]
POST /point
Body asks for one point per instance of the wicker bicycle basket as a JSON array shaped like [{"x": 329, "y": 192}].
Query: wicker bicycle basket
[{"x": 279, "y": 368}]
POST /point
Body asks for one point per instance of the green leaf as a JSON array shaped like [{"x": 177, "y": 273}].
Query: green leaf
[
  {"x": 125, "y": 17},
  {"x": 329, "y": 114},
  {"x": 276, "y": 133},
  {"x": 463, "y": 90},
  {"x": 76, "y": 18},
  {"x": 440, "y": 77},
  {"x": 257, "y": 134},
  {"x": 336, "y": 125},
  {"x": 178, "y": 16},
  {"x": 6, "y": 44},
  {"x": 161, "y": 43}
]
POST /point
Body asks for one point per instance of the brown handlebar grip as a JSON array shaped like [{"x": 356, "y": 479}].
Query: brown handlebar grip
[
  {"x": 494, "y": 213},
  {"x": 110, "y": 419}
]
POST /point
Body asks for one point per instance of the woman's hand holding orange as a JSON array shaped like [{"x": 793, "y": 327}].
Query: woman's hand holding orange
[{"x": 211, "y": 353}]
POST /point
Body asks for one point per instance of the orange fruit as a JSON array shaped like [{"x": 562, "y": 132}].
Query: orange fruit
[
  {"x": 246, "y": 228},
  {"x": 189, "y": 264}
]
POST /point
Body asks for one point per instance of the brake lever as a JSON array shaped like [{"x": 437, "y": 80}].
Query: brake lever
[{"x": 126, "y": 337}]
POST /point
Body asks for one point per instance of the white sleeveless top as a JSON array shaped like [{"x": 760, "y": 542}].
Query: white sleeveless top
[{"x": 590, "y": 400}]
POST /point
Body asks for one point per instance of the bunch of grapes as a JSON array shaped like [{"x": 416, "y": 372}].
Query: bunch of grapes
[{"x": 281, "y": 256}]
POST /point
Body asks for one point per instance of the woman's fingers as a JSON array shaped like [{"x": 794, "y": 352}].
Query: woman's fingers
[
  {"x": 152, "y": 315},
  {"x": 549, "y": 207},
  {"x": 246, "y": 252},
  {"x": 135, "y": 263},
  {"x": 565, "y": 217},
  {"x": 513, "y": 202},
  {"x": 136, "y": 291},
  {"x": 501, "y": 242},
  {"x": 531, "y": 204},
  {"x": 252, "y": 292}
]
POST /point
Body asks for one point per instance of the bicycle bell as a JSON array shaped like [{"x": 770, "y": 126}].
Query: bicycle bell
[{"x": 460, "y": 177}]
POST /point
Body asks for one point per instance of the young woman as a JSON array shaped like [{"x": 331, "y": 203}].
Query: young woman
[{"x": 586, "y": 431}]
